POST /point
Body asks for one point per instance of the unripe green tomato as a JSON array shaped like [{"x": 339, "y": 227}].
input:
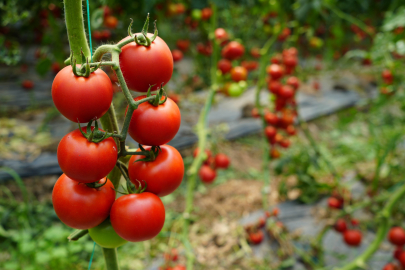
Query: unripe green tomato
[
  {"x": 243, "y": 85},
  {"x": 196, "y": 14},
  {"x": 105, "y": 236},
  {"x": 235, "y": 90}
]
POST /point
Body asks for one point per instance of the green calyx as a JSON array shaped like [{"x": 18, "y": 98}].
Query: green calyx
[
  {"x": 94, "y": 135},
  {"x": 143, "y": 39},
  {"x": 96, "y": 184},
  {"x": 157, "y": 101},
  {"x": 85, "y": 70},
  {"x": 150, "y": 155},
  {"x": 129, "y": 188}
]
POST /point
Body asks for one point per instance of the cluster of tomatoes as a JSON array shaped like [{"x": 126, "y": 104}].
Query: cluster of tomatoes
[
  {"x": 388, "y": 78},
  {"x": 109, "y": 22},
  {"x": 171, "y": 259},
  {"x": 83, "y": 197},
  {"x": 207, "y": 172},
  {"x": 396, "y": 236},
  {"x": 283, "y": 86},
  {"x": 255, "y": 233}
]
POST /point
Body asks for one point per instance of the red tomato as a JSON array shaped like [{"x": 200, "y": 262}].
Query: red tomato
[
  {"x": 271, "y": 118},
  {"x": 255, "y": 52},
  {"x": 144, "y": 66},
  {"x": 270, "y": 132},
  {"x": 233, "y": 50},
  {"x": 285, "y": 143},
  {"x": 316, "y": 85},
  {"x": 162, "y": 176},
  {"x": 138, "y": 217},
  {"x": 55, "y": 67},
  {"x": 180, "y": 8},
  {"x": 293, "y": 82},
  {"x": 284, "y": 34},
  {"x": 340, "y": 225},
  {"x": 80, "y": 206},
  {"x": 179, "y": 267},
  {"x": 352, "y": 237},
  {"x": 86, "y": 161},
  {"x": 183, "y": 44},
  {"x": 291, "y": 130},
  {"x": 207, "y": 174},
  {"x": 177, "y": 55},
  {"x": 224, "y": 65},
  {"x": 387, "y": 76},
  {"x": 286, "y": 92},
  {"x": 275, "y": 71},
  {"x": 261, "y": 222},
  {"x": 274, "y": 153},
  {"x": 290, "y": 61},
  {"x": 173, "y": 255},
  {"x": 276, "y": 59},
  {"x": 221, "y": 161},
  {"x": 27, "y": 84},
  {"x": 402, "y": 259},
  {"x": 154, "y": 125},
  {"x": 111, "y": 22},
  {"x": 274, "y": 86},
  {"x": 354, "y": 222},
  {"x": 335, "y": 203},
  {"x": 105, "y": 34},
  {"x": 256, "y": 237},
  {"x": 390, "y": 266},
  {"x": 396, "y": 236},
  {"x": 82, "y": 99},
  {"x": 276, "y": 211},
  {"x": 221, "y": 34},
  {"x": 276, "y": 139},
  {"x": 107, "y": 11},
  {"x": 255, "y": 113},
  {"x": 239, "y": 73},
  {"x": 206, "y": 13},
  {"x": 397, "y": 252}
]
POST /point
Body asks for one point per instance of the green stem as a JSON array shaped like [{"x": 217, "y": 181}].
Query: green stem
[
  {"x": 360, "y": 261},
  {"x": 76, "y": 235},
  {"x": 111, "y": 258}
]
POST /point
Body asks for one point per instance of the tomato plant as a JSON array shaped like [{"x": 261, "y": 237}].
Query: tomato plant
[{"x": 105, "y": 236}]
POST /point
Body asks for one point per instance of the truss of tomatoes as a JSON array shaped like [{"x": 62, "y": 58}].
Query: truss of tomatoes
[{"x": 83, "y": 197}]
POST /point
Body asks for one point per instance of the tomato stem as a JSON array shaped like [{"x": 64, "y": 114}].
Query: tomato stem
[
  {"x": 111, "y": 258},
  {"x": 76, "y": 235}
]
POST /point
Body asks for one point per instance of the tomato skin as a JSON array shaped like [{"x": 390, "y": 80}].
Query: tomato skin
[
  {"x": 402, "y": 259},
  {"x": 233, "y": 50},
  {"x": 335, "y": 203},
  {"x": 207, "y": 174},
  {"x": 111, "y": 22},
  {"x": 206, "y": 13},
  {"x": 86, "y": 161},
  {"x": 274, "y": 86},
  {"x": 275, "y": 71},
  {"x": 162, "y": 176},
  {"x": 290, "y": 61},
  {"x": 179, "y": 267},
  {"x": 340, "y": 225},
  {"x": 27, "y": 84},
  {"x": 286, "y": 92},
  {"x": 293, "y": 82},
  {"x": 256, "y": 237},
  {"x": 239, "y": 74},
  {"x": 105, "y": 236},
  {"x": 270, "y": 132},
  {"x": 144, "y": 66},
  {"x": 224, "y": 65},
  {"x": 396, "y": 236},
  {"x": 274, "y": 153},
  {"x": 255, "y": 113},
  {"x": 138, "y": 217},
  {"x": 390, "y": 266},
  {"x": 82, "y": 99},
  {"x": 255, "y": 52},
  {"x": 397, "y": 252},
  {"x": 163, "y": 122},
  {"x": 352, "y": 237},
  {"x": 221, "y": 34},
  {"x": 183, "y": 44},
  {"x": 222, "y": 161},
  {"x": 79, "y": 206},
  {"x": 271, "y": 118},
  {"x": 177, "y": 55}
]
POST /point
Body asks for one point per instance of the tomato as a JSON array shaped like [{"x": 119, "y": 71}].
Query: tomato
[
  {"x": 221, "y": 34},
  {"x": 396, "y": 236},
  {"x": 271, "y": 118},
  {"x": 390, "y": 266},
  {"x": 207, "y": 174},
  {"x": 293, "y": 82},
  {"x": 335, "y": 203},
  {"x": 276, "y": 59},
  {"x": 144, "y": 66},
  {"x": 173, "y": 255},
  {"x": 86, "y": 161},
  {"x": 286, "y": 92},
  {"x": 111, "y": 22},
  {"x": 221, "y": 161},
  {"x": 276, "y": 211},
  {"x": 27, "y": 84},
  {"x": 106, "y": 11},
  {"x": 183, "y": 44},
  {"x": 179, "y": 267},
  {"x": 316, "y": 85},
  {"x": 354, "y": 222},
  {"x": 105, "y": 236},
  {"x": 387, "y": 76},
  {"x": 284, "y": 34},
  {"x": 402, "y": 259},
  {"x": 276, "y": 139},
  {"x": 255, "y": 52},
  {"x": 206, "y": 13},
  {"x": 255, "y": 113},
  {"x": 196, "y": 14},
  {"x": 274, "y": 153},
  {"x": 180, "y": 8},
  {"x": 233, "y": 50},
  {"x": 239, "y": 73},
  {"x": 285, "y": 143},
  {"x": 138, "y": 217},
  {"x": 340, "y": 225},
  {"x": 274, "y": 86},
  {"x": 80, "y": 206},
  {"x": 177, "y": 55},
  {"x": 235, "y": 90},
  {"x": 55, "y": 67},
  {"x": 275, "y": 71},
  {"x": 261, "y": 222},
  {"x": 290, "y": 61},
  {"x": 397, "y": 252},
  {"x": 352, "y": 237},
  {"x": 154, "y": 125},
  {"x": 162, "y": 175},
  {"x": 290, "y": 129},
  {"x": 256, "y": 237},
  {"x": 270, "y": 132},
  {"x": 82, "y": 99},
  {"x": 224, "y": 65}
]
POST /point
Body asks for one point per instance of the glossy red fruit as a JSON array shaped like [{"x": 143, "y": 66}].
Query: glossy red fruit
[
  {"x": 352, "y": 237},
  {"x": 355, "y": 222},
  {"x": 276, "y": 211},
  {"x": 224, "y": 65},
  {"x": 206, "y": 13},
  {"x": 290, "y": 61},
  {"x": 340, "y": 225},
  {"x": 162, "y": 122},
  {"x": 387, "y": 76},
  {"x": 162, "y": 176},
  {"x": 284, "y": 34},
  {"x": 55, "y": 67},
  {"x": 276, "y": 59},
  {"x": 293, "y": 82},
  {"x": 290, "y": 129},
  {"x": 390, "y": 266},
  {"x": 173, "y": 255},
  {"x": 335, "y": 203},
  {"x": 179, "y": 267},
  {"x": 256, "y": 237},
  {"x": 111, "y": 22},
  {"x": 233, "y": 50},
  {"x": 145, "y": 66},
  {"x": 286, "y": 92},
  {"x": 255, "y": 52},
  {"x": 397, "y": 252},
  {"x": 402, "y": 259},
  {"x": 180, "y": 8},
  {"x": 80, "y": 206},
  {"x": 261, "y": 222},
  {"x": 275, "y": 71},
  {"x": 270, "y": 132},
  {"x": 82, "y": 99},
  {"x": 221, "y": 161},
  {"x": 207, "y": 174},
  {"x": 396, "y": 236},
  {"x": 86, "y": 161},
  {"x": 274, "y": 153},
  {"x": 285, "y": 143},
  {"x": 271, "y": 118},
  {"x": 255, "y": 113},
  {"x": 274, "y": 86},
  {"x": 239, "y": 73},
  {"x": 177, "y": 55},
  {"x": 183, "y": 44},
  {"x": 276, "y": 139},
  {"x": 27, "y": 84},
  {"x": 221, "y": 34}
]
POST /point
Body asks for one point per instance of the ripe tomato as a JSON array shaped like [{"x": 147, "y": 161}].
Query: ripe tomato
[
  {"x": 207, "y": 174},
  {"x": 144, "y": 66},
  {"x": 224, "y": 65},
  {"x": 402, "y": 259},
  {"x": 276, "y": 139},
  {"x": 239, "y": 74},
  {"x": 255, "y": 113},
  {"x": 256, "y": 237},
  {"x": 270, "y": 132},
  {"x": 335, "y": 203},
  {"x": 390, "y": 266},
  {"x": 286, "y": 92},
  {"x": 206, "y": 13},
  {"x": 290, "y": 61},
  {"x": 293, "y": 82},
  {"x": 86, "y": 161},
  {"x": 255, "y": 52},
  {"x": 111, "y": 22},
  {"x": 162, "y": 176},
  {"x": 138, "y": 217},
  {"x": 82, "y": 99},
  {"x": 80, "y": 206},
  {"x": 340, "y": 225},
  {"x": 285, "y": 143},
  {"x": 179, "y": 267},
  {"x": 154, "y": 125},
  {"x": 105, "y": 236},
  {"x": 27, "y": 84},
  {"x": 221, "y": 161},
  {"x": 173, "y": 255},
  {"x": 396, "y": 236},
  {"x": 180, "y": 8},
  {"x": 290, "y": 129},
  {"x": 387, "y": 76},
  {"x": 354, "y": 222},
  {"x": 55, "y": 67},
  {"x": 275, "y": 71},
  {"x": 221, "y": 34},
  {"x": 276, "y": 211},
  {"x": 397, "y": 252},
  {"x": 284, "y": 34},
  {"x": 183, "y": 44},
  {"x": 261, "y": 222},
  {"x": 274, "y": 153},
  {"x": 271, "y": 118},
  {"x": 274, "y": 86},
  {"x": 177, "y": 55},
  {"x": 352, "y": 237},
  {"x": 276, "y": 59},
  {"x": 233, "y": 50}
]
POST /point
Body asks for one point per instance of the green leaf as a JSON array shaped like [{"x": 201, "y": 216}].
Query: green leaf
[
  {"x": 394, "y": 20},
  {"x": 97, "y": 18}
]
